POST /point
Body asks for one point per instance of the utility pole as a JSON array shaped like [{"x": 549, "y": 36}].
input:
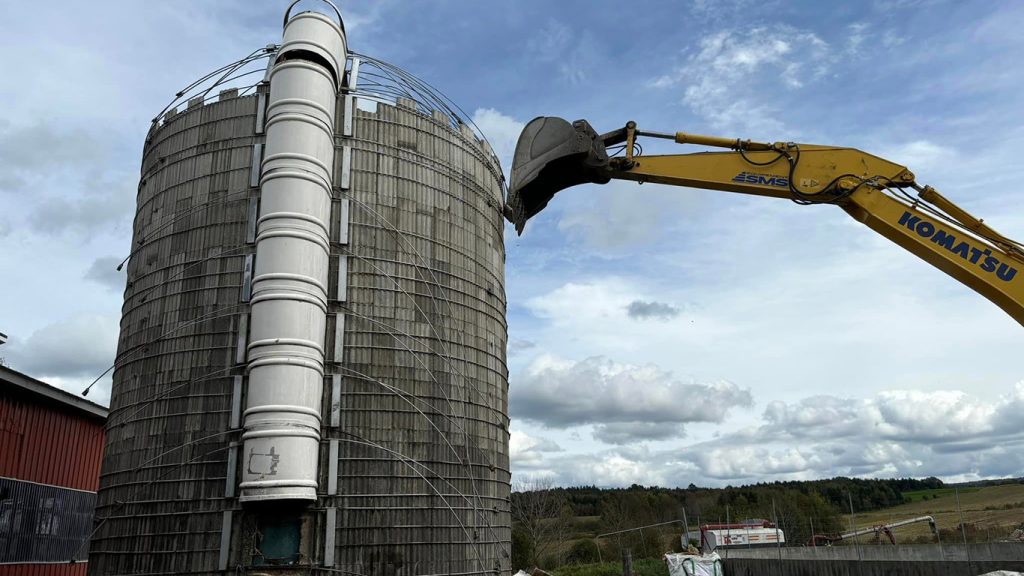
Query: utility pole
[
  {"x": 775, "y": 520},
  {"x": 963, "y": 528},
  {"x": 853, "y": 525},
  {"x": 686, "y": 531}
]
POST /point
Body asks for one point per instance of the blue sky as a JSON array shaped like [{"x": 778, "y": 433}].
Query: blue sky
[{"x": 657, "y": 335}]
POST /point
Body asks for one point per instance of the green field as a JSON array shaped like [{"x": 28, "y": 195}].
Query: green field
[
  {"x": 990, "y": 513},
  {"x": 920, "y": 495}
]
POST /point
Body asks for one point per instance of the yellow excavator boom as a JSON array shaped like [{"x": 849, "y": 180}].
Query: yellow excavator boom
[{"x": 552, "y": 155}]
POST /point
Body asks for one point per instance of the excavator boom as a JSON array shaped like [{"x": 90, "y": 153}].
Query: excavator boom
[{"x": 553, "y": 155}]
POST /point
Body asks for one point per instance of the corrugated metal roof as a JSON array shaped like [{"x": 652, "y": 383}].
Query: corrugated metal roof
[{"x": 12, "y": 379}]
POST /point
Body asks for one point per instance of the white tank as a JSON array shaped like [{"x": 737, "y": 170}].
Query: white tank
[{"x": 289, "y": 284}]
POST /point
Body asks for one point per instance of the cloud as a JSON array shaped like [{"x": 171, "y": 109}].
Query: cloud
[
  {"x": 632, "y": 432},
  {"x": 615, "y": 218},
  {"x": 501, "y": 131},
  {"x": 621, "y": 465},
  {"x": 550, "y": 41},
  {"x": 918, "y": 155},
  {"x": 750, "y": 461},
  {"x": 105, "y": 202},
  {"x": 31, "y": 152},
  {"x": 561, "y": 393},
  {"x": 526, "y": 450},
  {"x": 856, "y": 34},
  {"x": 644, "y": 310},
  {"x": 104, "y": 272},
  {"x": 938, "y": 417},
  {"x": 518, "y": 345},
  {"x": 820, "y": 416},
  {"x": 734, "y": 76},
  {"x": 714, "y": 11},
  {"x": 931, "y": 416},
  {"x": 574, "y": 54},
  {"x": 74, "y": 190},
  {"x": 899, "y": 433},
  {"x": 68, "y": 352}
]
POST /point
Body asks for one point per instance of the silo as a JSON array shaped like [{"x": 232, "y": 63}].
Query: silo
[{"x": 311, "y": 369}]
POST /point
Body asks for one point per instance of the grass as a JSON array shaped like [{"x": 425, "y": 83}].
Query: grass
[
  {"x": 924, "y": 495},
  {"x": 644, "y": 567},
  {"x": 994, "y": 511}
]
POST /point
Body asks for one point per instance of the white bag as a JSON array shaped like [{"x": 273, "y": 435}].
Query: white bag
[{"x": 688, "y": 565}]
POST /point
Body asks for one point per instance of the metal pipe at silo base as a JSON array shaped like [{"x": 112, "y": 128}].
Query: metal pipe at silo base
[{"x": 281, "y": 429}]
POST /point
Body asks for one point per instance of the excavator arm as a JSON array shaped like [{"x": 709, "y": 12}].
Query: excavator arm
[{"x": 552, "y": 155}]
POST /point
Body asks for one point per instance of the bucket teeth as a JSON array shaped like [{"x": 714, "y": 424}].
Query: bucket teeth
[{"x": 552, "y": 155}]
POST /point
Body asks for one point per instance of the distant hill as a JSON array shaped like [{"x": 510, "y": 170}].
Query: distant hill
[{"x": 866, "y": 494}]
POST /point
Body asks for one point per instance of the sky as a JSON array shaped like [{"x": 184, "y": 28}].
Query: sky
[{"x": 659, "y": 336}]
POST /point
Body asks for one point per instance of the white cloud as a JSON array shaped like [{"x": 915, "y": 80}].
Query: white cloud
[
  {"x": 902, "y": 414},
  {"x": 551, "y": 41},
  {"x": 104, "y": 204},
  {"x": 735, "y": 77},
  {"x": 920, "y": 156},
  {"x": 751, "y": 461},
  {"x": 104, "y": 271},
  {"x": 821, "y": 416},
  {"x": 562, "y": 393},
  {"x": 29, "y": 152},
  {"x": 637, "y": 431},
  {"x": 716, "y": 11},
  {"x": 618, "y": 466},
  {"x": 528, "y": 451},
  {"x": 932, "y": 417},
  {"x": 573, "y": 53},
  {"x": 69, "y": 353},
  {"x": 618, "y": 470},
  {"x": 501, "y": 131},
  {"x": 856, "y": 36},
  {"x": 617, "y": 218},
  {"x": 901, "y": 433},
  {"x": 892, "y": 39}
]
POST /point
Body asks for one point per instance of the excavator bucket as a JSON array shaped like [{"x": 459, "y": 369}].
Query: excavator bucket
[{"x": 552, "y": 155}]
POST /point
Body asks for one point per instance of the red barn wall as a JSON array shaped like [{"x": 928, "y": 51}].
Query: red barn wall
[
  {"x": 46, "y": 442},
  {"x": 49, "y": 444}
]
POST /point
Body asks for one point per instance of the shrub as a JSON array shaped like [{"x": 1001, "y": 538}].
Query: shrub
[{"x": 584, "y": 552}]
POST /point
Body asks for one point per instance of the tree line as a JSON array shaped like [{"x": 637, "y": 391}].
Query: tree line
[{"x": 553, "y": 525}]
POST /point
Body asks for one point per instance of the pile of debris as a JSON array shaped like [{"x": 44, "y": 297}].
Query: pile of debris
[{"x": 1018, "y": 534}]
